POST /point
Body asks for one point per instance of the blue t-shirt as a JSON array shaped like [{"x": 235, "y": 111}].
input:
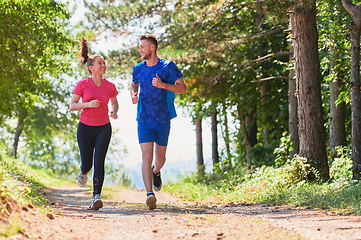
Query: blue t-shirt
[{"x": 155, "y": 105}]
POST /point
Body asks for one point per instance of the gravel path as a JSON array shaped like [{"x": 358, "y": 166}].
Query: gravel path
[{"x": 129, "y": 218}]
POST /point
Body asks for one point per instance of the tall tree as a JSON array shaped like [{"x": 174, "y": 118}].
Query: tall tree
[
  {"x": 308, "y": 81},
  {"x": 355, "y": 30},
  {"x": 292, "y": 111},
  {"x": 199, "y": 145},
  {"x": 214, "y": 130}
]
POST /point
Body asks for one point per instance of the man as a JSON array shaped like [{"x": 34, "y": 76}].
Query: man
[{"x": 159, "y": 80}]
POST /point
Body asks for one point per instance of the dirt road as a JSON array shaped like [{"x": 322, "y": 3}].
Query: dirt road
[{"x": 129, "y": 218}]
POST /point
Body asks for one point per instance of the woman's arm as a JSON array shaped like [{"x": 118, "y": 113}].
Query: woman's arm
[
  {"x": 114, "y": 107},
  {"x": 76, "y": 105}
]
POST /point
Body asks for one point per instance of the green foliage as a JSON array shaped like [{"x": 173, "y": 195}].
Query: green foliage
[
  {"x": 262, "y": 155},
  {"x": 36, "y": 50},
  {"x": 32, "y": 39},
  {"x": 282, "y": 153},
  {"x": 341, "y": 166},
  {"x": 16, "y": 182},
  {"x": 283, "y": 185}
]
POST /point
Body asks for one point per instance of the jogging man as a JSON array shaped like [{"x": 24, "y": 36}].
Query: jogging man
[{"x": 158, "y": 80}]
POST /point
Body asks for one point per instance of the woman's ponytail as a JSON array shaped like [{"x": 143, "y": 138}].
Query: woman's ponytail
[{"x": 84, "y": 52}]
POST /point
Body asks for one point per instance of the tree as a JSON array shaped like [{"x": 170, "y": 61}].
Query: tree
[
  {"x": 292, "y": 111},
  {"x": 31, "y": 43},
  {"x": 355, "y": 30},
  {"x": 308, "y": 83},
  {"x": 199, "y": 145},
  {"x": 214, "y": 130}
]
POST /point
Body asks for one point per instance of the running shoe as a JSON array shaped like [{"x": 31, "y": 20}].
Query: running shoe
[
  {"x": 82, "y": 179},
  {"x": 96, "y": 203},
  {"x": 157, "y": 181},
  {"x": 151, "y": 201}
]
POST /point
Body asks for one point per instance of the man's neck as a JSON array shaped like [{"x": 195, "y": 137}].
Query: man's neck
[{"x": 152, "y": 61}]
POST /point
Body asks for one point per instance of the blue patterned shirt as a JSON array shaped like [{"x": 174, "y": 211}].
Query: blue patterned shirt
[{"x": 155, "y": 105}]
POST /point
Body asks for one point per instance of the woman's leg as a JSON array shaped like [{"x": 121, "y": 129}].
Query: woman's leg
[
  {"x": 101, "y": 147},
  {"x": 86, "y": 137}
]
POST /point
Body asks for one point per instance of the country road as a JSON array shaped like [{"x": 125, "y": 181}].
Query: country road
[{"x": 129, "y": 218}]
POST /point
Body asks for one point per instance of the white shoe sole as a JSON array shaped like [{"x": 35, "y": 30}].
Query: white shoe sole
[
  {"x": 151, "y": 202},
  {"x": 157, "y": 189},
  {"x": 96, "y": 205}
]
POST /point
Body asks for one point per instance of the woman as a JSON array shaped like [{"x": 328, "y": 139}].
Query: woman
[{"x": 94, "y": 128}]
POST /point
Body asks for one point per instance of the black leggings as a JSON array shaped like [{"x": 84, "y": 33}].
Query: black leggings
[{"x": 93, "y": 144}]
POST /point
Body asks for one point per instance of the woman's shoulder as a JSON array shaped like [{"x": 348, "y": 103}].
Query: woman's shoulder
[
  {"x": 85, "y": 80},
  {"x": 108, "y": 83}
]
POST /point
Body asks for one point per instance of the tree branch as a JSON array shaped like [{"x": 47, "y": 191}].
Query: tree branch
[
  {"x": 354, "y": 10},
  {"x": 269, "y": 78}
]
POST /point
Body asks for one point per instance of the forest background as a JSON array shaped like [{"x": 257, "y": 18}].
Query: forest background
[{"x": 275, "y": 79}]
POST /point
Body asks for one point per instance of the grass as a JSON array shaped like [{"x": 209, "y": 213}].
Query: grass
[
  {"x": 19, "y": 187},
  {"x": 284, "y": 185}
]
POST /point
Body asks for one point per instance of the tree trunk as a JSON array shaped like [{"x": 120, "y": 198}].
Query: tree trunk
[
  {"x": 355, "y": 27},
  {"x": 18, "y": 131},
  {"x": 199, "y": 146},
  {"x": 337, "y": 113},
  {"x": 225, "y": 133},
  {"x": 214, "y": 123},
  {"x": 292, "y": 111},
  {"x": 311, "y": 129},
  {"x": 263, "y": 92},
  {"x": 249, "y": 127}
]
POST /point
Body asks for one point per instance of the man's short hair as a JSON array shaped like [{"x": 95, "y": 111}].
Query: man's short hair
[{"x": 151, "y": 38}]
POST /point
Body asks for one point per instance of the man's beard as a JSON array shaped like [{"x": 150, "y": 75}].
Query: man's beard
[{"x": 147, "y": 56}]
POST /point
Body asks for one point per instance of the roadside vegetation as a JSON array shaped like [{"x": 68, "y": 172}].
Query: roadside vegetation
[
  {"x": 20, "y": 188},
  {"x": 286, "y": 184}
]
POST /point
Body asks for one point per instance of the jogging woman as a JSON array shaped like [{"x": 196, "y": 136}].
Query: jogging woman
[{"x": 94, "y": 128}]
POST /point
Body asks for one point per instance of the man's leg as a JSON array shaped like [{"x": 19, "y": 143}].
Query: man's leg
[
  {"x": 160, "y": 152},
  {"x": 162, "y": 135},
  {"x": 147, "y": 159}
]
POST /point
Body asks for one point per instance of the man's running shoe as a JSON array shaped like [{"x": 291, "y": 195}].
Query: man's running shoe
[
  {"x": 96, "y": 203},
  {"x": 157, "y": 181},
  {"x": 82, "y": 179},
  {"x": 151, "y": 201}
]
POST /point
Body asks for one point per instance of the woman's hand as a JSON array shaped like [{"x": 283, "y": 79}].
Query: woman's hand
[
  {"x": 113, "y": 115},
  {"x": 94, "y": 103}
]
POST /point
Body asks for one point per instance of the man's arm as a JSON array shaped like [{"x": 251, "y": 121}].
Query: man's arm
[
  {"x": 178, "y": 87},
  {"x": 134, "y": 92}
]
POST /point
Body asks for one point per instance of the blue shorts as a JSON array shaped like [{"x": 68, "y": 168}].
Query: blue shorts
[{"x": 157, "y": 133}]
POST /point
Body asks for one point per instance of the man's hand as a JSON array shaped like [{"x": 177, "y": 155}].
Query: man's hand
[
  {"x": 157, "y": 82},
  {"x": 135, "y": 98}
]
